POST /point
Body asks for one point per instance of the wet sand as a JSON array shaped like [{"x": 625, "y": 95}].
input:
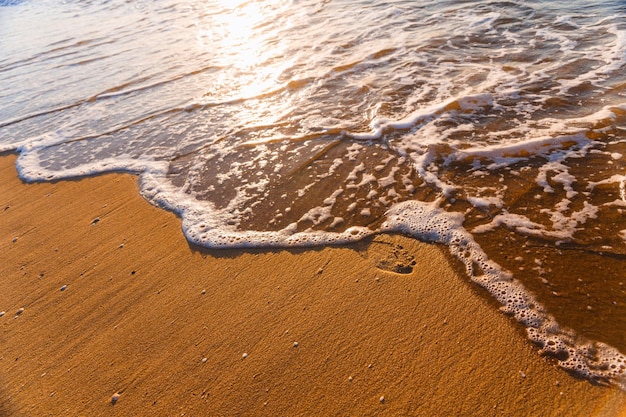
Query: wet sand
[{"x": 116, "y": 304}]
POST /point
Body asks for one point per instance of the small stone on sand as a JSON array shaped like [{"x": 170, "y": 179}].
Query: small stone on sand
[
  {"x": 63, "y": 288},
  {"x": 14, "y": 239},
  {"x": 382, "y": 399},
  {"x": 203, "y": 292},
  {"x": 115, "y": 398},
  {"x": 204, "y": 360},
  {"x": 2, "y": 313},
  {"x": 19, "y": 311},
  {"x": 295, "y": 344},
  {"x": 244, "y": 356},
  {"x": 96, "y": 220}
]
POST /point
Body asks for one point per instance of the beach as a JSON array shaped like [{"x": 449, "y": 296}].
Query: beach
[{"x": 109, "y": 311}]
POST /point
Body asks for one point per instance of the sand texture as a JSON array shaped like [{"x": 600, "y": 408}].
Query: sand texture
[{"x": 121, "y": 317}]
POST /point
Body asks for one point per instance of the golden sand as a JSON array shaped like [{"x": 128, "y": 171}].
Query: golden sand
[{"x": 117, "y": 306}]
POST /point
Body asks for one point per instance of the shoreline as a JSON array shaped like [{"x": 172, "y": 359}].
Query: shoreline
[{"x": 116, "y": 301}]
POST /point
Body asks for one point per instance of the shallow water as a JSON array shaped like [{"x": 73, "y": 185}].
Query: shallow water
[{"x": 496, "y": 128}]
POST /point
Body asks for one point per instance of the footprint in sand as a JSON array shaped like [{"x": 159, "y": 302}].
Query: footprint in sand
[{"x": 389, "y": 256}]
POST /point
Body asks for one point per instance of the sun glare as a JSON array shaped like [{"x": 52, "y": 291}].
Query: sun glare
[{"x": 236, "y": 29}]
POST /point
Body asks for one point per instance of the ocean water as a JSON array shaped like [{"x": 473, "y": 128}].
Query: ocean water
[{"x": 497, "y": 128}]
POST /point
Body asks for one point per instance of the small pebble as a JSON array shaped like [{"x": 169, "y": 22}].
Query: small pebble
[
  {"x": 350, "y": 378},
  {"x": 96, "y": 220},
  {"x": 203, "y": 292},
  {"x": 19, "y": 311},
  {"x": 2, "y": 313},
  {"x": 63, "y": 288},
  {"x": 115, "y": 398},
  {"x": 382, "y": 399},
  {"x": 295, "y": 344},
  {"x": 522, "y": 374},
  {"x": 244, "y": 356},
  {"x": 204, "y": 360},
  {"x": 14, "y": 239},
  {"x": 121, "y": 245}
]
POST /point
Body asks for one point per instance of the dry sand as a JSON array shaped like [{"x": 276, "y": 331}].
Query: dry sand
[{"x": 116, "y": 302}]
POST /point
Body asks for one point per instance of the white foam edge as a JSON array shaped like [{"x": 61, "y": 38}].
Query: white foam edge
[
  {"x": 466, "y": 102},
  {"x": 540, "y": 145},
  {"x": 471, "y": 102},
  {"x": 34, "y": 142},
  {"x": 593, "y": 360},
  {"x": 206, "y": 226},
  {"x": 534, "y": 146},
  {"x": 29, "y": 167},
  {"x": 615, "y": 55},
  {"x": 563, "y": 227}
]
